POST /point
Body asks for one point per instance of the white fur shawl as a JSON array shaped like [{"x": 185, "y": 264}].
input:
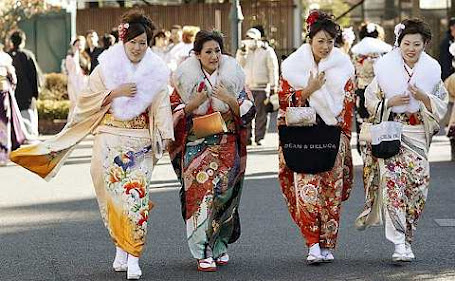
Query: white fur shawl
[
  {"x": 393, "y": 80},
  {"x": 369, "y": 45},
  {"x": 327, "y": 101},
  {"x": 189, "y": 74},
  {"x": 151, "y": 75}
]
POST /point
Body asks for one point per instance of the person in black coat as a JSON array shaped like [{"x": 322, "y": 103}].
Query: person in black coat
[
  {"x": 28, "y": 81},
  {"x": 92, "y": 48},
  {"x": 445, "y": 57}
]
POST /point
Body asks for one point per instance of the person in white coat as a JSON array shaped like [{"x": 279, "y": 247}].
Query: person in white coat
[{"x": 260, "y": 63}]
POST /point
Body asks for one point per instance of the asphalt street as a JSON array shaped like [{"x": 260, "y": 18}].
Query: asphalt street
[{"x": 53, "y": 230}]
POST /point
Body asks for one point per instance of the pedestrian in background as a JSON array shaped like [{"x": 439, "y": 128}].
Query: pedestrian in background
[
  {"x": 11, "y": 125},
  {"x": 93, "y": 49},
  {"x": 77, "y": 64},
  {"x": 182, "y": 50},
  {"x": 408, "y": 88},
  {"x": 318, "y": 76},
  {"x": 160, "y": 45},
  {"x": 127, "y": 108},
  {"x": 107, "y": 41},
  {"x": 445, "y": 57},
  {"x": 28, "y": 81},
  {"x": 450, "y": 116},
  {"x": 211, "y": 109},
  {"x": 260, "y": 63},
  {"x": 364, "y": 54}
]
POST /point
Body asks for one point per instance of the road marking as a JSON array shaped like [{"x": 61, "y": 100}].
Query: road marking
[{"x": 445, "y": 222}]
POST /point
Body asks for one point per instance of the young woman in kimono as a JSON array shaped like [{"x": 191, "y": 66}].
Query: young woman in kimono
[
  {"x": 12, "y": 129},
  {"x": 126, "y": 106},
  {"x": 210, "y": 169},
  {"x": 320, "y": 75},
  {"x": 364, "y": 55},
  {"x": 408, "y": 82}
]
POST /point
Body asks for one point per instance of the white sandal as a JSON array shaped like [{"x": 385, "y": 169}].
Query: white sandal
[
  {"x": 222, "y": 260},
  {"x": 206, "y": 265}
]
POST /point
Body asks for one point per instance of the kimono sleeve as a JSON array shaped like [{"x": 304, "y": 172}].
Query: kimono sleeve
[
  {"x": 247, "y": 107},
  {"x": 163, "y": 115}
]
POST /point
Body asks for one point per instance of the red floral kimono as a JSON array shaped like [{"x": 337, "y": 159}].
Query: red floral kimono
[
  {"x": 314, "y": 200},
  {"x": 210, "y": 169}
]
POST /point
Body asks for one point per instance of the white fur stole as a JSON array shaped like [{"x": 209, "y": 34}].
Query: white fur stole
[
  {"x": 189, "y": 74},
  {"x": 327, "y": 101},
  {"x": 151, "y": 75},
  {"x": 369, "y": 45},
  {"x": 393, "y": 80}
]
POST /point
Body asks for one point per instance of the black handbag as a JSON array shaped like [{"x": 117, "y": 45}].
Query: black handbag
[
  {"x": 311, "y": 149},
  {"x": 386, "y": 142}
]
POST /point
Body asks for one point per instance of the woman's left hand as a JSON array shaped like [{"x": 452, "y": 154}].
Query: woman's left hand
[
  {"x": 420, "y": 96},
  {"x": 417, "y": 93},
  {"x": 220, "y": 92}
]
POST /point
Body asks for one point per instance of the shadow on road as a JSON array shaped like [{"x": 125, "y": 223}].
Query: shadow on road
[{"x": 71, "y": 246}]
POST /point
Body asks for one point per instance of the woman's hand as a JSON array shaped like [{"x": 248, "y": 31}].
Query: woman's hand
[
  {"x": 125, "y": 90},
  {"x": 314, "y": 83},
  {"x": 398, "y": 100},
  {"x": 198, "y": 99},
  {"x": 419, "y": 95},
  {"x": 220, "y": 92}
]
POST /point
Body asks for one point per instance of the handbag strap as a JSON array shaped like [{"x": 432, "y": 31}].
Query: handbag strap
[
  {"x": 382, "y": 109},
  {"x": 291, "y": 98}
]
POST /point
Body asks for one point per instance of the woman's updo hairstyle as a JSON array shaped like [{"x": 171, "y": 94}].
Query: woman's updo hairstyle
[
  {"x": 368, "y": 30},
  {"x": 318, "y": 21},
  {"x": 413, "y": 26},
  {"x": 206, "y": 36},
  {"x": 133, "y": 24}
]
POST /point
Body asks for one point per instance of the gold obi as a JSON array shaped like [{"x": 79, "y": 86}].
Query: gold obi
[{"x": 138, "y": 122}]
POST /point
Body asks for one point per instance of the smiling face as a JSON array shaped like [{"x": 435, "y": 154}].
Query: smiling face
[
  {"x": 210, "y": 56},
  {"x": 322, "y": 44},
  {"x": 136, "y": 47},
  {"x": 412, "y": 47}
]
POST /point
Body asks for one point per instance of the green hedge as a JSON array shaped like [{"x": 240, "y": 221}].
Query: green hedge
[
  {"x": 50, "y": 109},
  {"x": 53, "y": 100}
]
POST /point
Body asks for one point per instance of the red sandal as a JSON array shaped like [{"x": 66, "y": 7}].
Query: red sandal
[{"x": 206, "y": 265}]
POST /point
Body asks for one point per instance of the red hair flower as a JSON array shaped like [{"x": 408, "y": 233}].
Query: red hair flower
[
  {"x": 123, "y": 30},
  {"x": 312, "y": 18}
]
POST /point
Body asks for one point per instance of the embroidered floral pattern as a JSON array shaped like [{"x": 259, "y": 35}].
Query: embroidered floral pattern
[{"x": 126, "y": 179}]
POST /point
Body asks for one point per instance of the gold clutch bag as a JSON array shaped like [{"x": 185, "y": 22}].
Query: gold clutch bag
[{"x": 210, "y": 124}]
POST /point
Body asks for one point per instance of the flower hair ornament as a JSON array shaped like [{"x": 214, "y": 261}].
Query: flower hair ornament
[
  {"x": 371, "y": 27},
  {"x": 123, "y": 30},
  {"x": 398, "y": 30},
  {"x": 311, "y": 19},
  {"x": 348, "y": 35}
]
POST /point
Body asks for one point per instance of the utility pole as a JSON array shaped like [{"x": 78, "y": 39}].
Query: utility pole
[
  {"x": 452, "y": 9},
  {"x": 236, "y": 17},
  {"x": 415, "y": 8}
]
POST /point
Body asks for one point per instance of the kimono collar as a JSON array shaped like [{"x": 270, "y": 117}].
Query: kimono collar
[
  {"x": 327, "y": 101},
  {"x": 150, "y": 75},
  {"x": 393, "y": 79},
  {"x": 369, "y": 45},
  {"x": 189, "y": 74}
]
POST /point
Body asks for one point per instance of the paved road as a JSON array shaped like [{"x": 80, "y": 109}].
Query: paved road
[{"x": 53, "y": 231}]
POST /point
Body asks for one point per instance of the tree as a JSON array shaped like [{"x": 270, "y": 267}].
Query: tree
[{"x": 12, "y": 11}]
